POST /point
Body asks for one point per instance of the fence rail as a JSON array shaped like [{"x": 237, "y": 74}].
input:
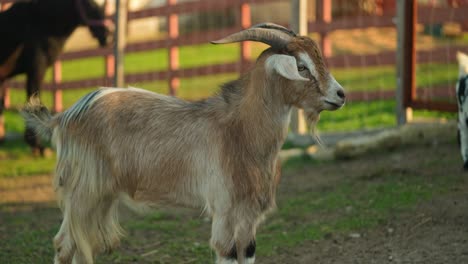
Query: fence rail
[{"x": 324, "y": 25}]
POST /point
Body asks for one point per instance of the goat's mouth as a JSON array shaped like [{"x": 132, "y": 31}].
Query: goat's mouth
[{"x": 333, "y": 105}]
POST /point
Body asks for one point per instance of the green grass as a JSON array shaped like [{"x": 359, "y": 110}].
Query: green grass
[
  {"x": 16, "y": 160},
  {"x": 384, "y": 77},
  {"x": 375, "y": 202}
]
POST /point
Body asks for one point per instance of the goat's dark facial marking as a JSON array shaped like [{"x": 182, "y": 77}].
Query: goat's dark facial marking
[{"x": 304, "y": 45}]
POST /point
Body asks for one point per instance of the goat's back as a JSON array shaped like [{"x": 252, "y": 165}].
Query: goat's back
[{"x": 152, "y": 146}]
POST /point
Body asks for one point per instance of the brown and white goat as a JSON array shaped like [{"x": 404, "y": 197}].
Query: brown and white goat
[{"x": 137, "y": 147}]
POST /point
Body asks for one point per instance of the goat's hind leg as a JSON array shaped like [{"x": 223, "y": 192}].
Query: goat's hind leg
[
  {"x": 63, "y": 242},
  {"x": 245, "y": 241},
  {"x": 98, "y": 230}
]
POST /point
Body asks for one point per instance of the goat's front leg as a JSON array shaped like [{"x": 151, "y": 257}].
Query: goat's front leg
[
  {"x": 245, "y": 240},
  {"x": 231, "y": 236},
  {"x": 222, "y": 239}
]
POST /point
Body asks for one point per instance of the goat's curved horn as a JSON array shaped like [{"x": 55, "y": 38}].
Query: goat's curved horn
[
  {"x": 267, "y": 33},
  {"x": 277, "y": 27}
]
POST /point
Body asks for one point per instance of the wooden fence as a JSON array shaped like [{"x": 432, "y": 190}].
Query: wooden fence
[
  {"x": 324, "y": 25},
  {"x": 413, "y": 14}
]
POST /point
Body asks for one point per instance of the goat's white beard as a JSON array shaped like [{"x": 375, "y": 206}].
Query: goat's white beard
[{"x": 312, "y": 119}]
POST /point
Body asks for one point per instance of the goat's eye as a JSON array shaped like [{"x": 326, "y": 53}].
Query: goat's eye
[{"x": 301, "y": 68}]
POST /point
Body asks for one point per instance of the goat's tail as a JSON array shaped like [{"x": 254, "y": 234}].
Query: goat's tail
[{"x": 38, "y": 117}]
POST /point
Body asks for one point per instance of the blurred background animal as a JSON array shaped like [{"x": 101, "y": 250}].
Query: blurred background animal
[
  {"x": 33, "y": 34},
  {"x": 462, "y": 94}
]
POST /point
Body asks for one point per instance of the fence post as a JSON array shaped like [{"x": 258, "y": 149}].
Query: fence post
[
  {"x": 110, "y": 59},
  {"x": 406, "y": 59},
  {"x": 245, "y": 46},
  {"x": 120, "y": 41},
  {"x": 57, "y": 92},
  {"x": 299, "y": 25},
  {"x": 173, "y": 31},
  {"x": 324, "y": 15}
]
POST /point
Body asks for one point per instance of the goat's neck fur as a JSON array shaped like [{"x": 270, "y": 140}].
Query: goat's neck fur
[
  {"x": 261, "y": 111},
  {"x": 254, "y": 130}
]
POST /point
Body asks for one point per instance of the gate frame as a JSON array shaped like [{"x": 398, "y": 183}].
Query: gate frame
[{"x": 406, "y": 97}]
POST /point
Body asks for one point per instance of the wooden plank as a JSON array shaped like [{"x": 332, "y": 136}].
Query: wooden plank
[
  {"x": 435, "y": 15},
  {"x": 358, "y": 96},
  {"x": 76, "y": 84},
  {"x": 73, "y": 55},
  {"x": 347, "y": 23},
  {"x": 434, "y": 105},
  {"x": 437, "y": 92},
  {"x": 142, "y": 77},
  {"x": 442, "y": 54},
  {"x": 193, "y": 6},
  {"x": 368, "y": 60},
  {"x": 185, "y": 73},
  {"x": 183, "y": 40},
  {"x": 426, "y": 15}
]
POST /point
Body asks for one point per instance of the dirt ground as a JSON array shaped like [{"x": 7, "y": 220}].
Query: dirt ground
[{"x": 435, "y": 231}]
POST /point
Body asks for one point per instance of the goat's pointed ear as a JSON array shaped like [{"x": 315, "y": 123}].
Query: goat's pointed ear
[{"x": 285, "y": 66}]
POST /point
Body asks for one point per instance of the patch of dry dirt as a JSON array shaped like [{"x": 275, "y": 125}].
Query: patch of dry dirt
[
  {"x": 435, "y": 232},
  {"x": 17, "y": 190}
]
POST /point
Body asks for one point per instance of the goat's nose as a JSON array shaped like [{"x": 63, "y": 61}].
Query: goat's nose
[{"x": 341, "y": 94}]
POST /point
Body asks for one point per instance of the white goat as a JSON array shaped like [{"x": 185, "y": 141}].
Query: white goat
[
  {"x": 462, "y": 95},
  {"x": 133, "y": 146}
]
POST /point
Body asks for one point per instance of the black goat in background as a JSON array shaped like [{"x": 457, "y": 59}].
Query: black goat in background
[{"x": 33, "y": 34}]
